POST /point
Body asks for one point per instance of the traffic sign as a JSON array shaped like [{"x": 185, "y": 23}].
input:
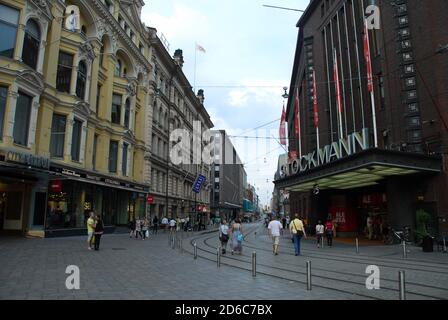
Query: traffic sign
[{"x": 200, "y": 180}]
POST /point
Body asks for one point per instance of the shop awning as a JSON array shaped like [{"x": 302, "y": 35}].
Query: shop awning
[{"x": 363, "y": 169}]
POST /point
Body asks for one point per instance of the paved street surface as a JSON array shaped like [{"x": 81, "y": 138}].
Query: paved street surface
[{"x": 126, "y": 268}]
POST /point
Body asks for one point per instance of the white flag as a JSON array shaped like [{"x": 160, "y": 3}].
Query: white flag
[{"x": 199, "y": 48}]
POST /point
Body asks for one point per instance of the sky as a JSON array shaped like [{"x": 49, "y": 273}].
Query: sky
[{"x": 248, "y": 60}]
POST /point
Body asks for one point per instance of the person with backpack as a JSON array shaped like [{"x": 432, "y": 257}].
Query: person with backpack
[
  {"x": 223, "y": 236},
  {"x": 329, "y": 232},
  {"x": 297, "y": 231},
  {"x": 237, "y": 236}
]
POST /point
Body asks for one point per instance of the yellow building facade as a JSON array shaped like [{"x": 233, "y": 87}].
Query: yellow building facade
[{"x": 73, "y": 108}]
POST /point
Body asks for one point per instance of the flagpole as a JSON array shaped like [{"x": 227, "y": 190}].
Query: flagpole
[
  {"x": 194, "y": 77},
  {"x": 370, "y": 81}
]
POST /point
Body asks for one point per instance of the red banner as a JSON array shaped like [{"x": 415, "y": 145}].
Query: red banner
[
  {"x": 316, "y": 113},
  {"x": 336, "y": 81},
  {"x": 56, "y": 186},
  {"x": 297, "y": 115},
  {"x": 368, "y": 58},
  {"x": 283, "y": 127}
]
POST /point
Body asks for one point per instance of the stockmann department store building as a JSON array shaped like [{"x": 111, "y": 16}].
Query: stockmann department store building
[{"x": 379, "y": 150}]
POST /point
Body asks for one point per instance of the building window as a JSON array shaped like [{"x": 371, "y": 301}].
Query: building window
[
  {"x": 402, "y": 8},
  {"x": 81, "y": 82},
  {"x": 22, "y": 119},
  {"x": 3, "y": 96},
  {"x": 406, "y": 44},
  {"x": 57, "y": 140},
  {"x": 102, "y": 55},
  {"x": 9, "y": 19},
  {"x": 414, "y": 135},
  {"x": 409, "y": 68},
  {"x": 414, "y": 121},
  {"x": 407, "y": 56},
  {"x": 113, "y": 154},
  {"x": 109, "y": 5},
  {"x": 76, "y": 140},
  {"x": 127, "y": 113},
  {"x": 118, "y": 68},
  {"x": 411, "y": 95},
  {"x": 124, "y": 162},
  {"x": 403, "y": 20},
  {"x": 116, "y": 109},
  {"x": 64, "y": 75},
  {"x": 31, "y": 44},
  {"x": 95, "y": 141},
  {"x": 381, "y": 91},
  {"x": 84, "y": 31},
  {"x": 412, "y": 107},
  {"x": 410, "y": 82}
]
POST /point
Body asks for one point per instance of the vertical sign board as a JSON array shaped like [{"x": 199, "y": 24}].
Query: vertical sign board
[{"x": 200, "y": 180}]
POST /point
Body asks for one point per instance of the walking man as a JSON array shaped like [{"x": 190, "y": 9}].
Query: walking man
[
  {"x": 297, "y": 231},
  {"x": 274, "y": 228},
  {"x": 155, "y": 224}
]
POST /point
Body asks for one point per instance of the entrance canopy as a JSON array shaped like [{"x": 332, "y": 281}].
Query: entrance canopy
[{"x": 362, "y": 169}]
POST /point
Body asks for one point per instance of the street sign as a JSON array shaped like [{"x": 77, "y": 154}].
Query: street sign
[
  {"x": 200, "y": 180},
  {"x": 150, "y": 199}
]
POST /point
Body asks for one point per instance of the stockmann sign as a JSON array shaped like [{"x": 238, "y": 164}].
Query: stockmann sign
[{"x": 354, "y": 143}]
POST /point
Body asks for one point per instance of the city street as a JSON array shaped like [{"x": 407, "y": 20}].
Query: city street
[{"x": 126, "y": 268}]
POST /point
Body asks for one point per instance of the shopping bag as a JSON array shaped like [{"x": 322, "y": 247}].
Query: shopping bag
[{"x": 147, "y": 234}]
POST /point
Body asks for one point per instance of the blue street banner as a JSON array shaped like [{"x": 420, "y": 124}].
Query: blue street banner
[{"x": 200, "y": 180}]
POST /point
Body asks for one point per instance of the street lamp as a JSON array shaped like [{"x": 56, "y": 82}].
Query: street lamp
[{"x": 285, "y": 95}]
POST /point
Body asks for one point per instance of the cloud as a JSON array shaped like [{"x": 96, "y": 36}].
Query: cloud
[
  {"x": 182, "y": 23},
  {"x": 267, "y": 92}
]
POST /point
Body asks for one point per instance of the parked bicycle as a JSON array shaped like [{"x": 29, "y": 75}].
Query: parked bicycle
[{"x": 398, "y": 236}]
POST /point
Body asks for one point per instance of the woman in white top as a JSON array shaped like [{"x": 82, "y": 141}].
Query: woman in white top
[
  {"x": 224, "y": 235},
  {"x": 319, "y": 232}
]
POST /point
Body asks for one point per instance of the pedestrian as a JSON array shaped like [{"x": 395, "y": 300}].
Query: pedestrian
[
  {"x": 223, "y": 236},
  {"x": 288, "y": 220},
  {"x": 370, "y": 226},
  {"x": 172, "y": 224},
  {"x": 283, "y": 224},
  {"x": 165, "y": 223},
  {"x": 297, "y": 231},
  {"x": 237, "y": 236},
  {"x": 319, "y": 232},
  {"x": 274, "y": 228},
  {"x": 138, "y": 228},
  {"x": 177, "y": 224},
  {"x": 145, "y": 227},
  {"x": 90, "y": 230},
  {"x": 155, "y": 224},
  {"x": 99, "y": 230},
  {"x": 182, "y": 223},
  {"x": 329, "y": 232}
]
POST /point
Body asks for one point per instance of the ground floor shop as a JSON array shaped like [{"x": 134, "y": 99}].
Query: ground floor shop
[
  {"x": 178, "y": 208},
  {"x": 369, "y": 193}
]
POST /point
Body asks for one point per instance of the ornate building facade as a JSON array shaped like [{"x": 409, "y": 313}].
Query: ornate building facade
[{"x": 74, "y": 79}]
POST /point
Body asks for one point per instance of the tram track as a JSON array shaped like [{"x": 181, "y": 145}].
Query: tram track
[{"x": 297, "y": 275}]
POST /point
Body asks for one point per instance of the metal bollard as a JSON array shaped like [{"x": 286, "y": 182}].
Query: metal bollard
[
  {"x": 444, "y": 245},
  {"x": 357, "y": 245},
  {"x": 401, "y": 279},
  {"x": 254, "y": 264},
  {"x": 405, "y": 254},
  {"x": 308, "y": 276},
  {"x": 195, "y": 250},
  {"x": 218, "y": 257}
]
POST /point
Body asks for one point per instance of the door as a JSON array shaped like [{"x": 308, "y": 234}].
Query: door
[{"x": 40, "y": 205}]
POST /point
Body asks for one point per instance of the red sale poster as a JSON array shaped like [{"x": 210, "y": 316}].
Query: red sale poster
[{"x": 344, "y": 218}]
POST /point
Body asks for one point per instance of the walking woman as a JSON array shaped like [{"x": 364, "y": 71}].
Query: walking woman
[
  {"x": 99, "y": 230},
  {"x": 138, "y": 228},
  {"x": 297, "y": 231},
  {"x": 329, "y": 232},
  {"x": 237, "y": 236},
  {"x": 223, "y": 235}
]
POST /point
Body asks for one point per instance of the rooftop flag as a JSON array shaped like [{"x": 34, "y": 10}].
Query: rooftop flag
[{"x": 199, "y": 48}]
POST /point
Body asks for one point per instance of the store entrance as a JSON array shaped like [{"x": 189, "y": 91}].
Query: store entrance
[{"x": 373, "y": 218}]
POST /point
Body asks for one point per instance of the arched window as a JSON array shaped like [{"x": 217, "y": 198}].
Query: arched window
[
  {"x": 118, "y": 68},
  {"x": 84, "y": 30},
  {"x": 81, "y": 82},
  {"x": 127, "y": 113},
  {"x": 124, "y": 72},
  {"x": 31, "y": 44}
]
